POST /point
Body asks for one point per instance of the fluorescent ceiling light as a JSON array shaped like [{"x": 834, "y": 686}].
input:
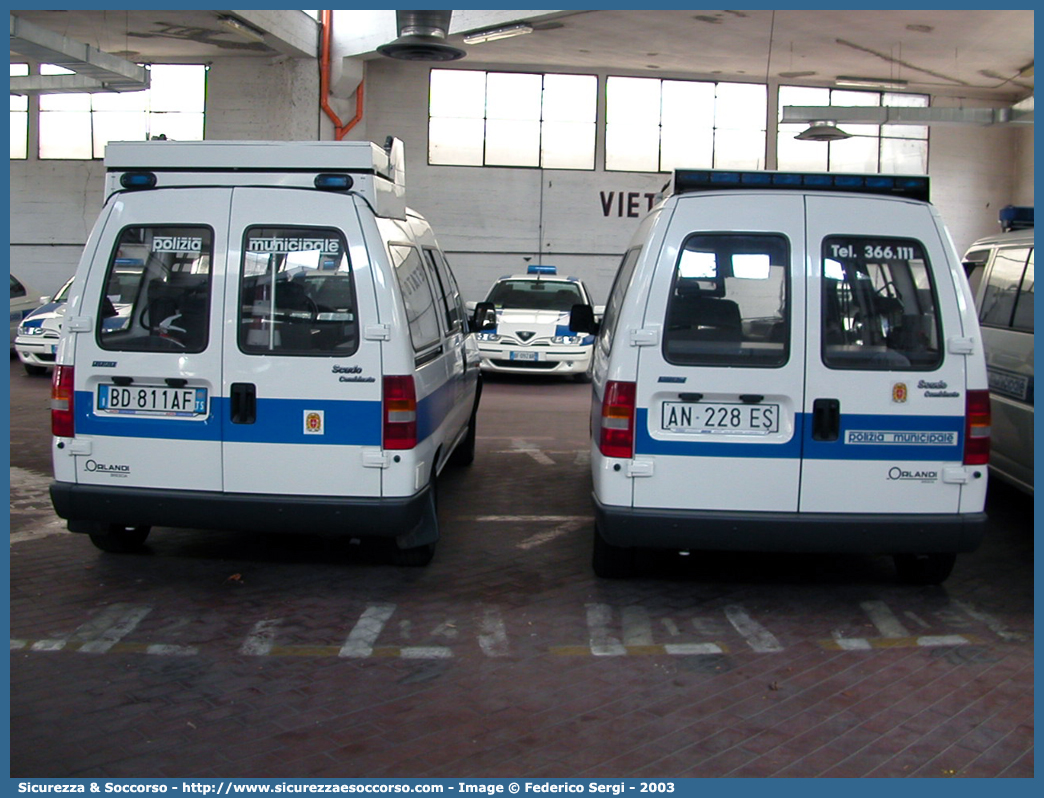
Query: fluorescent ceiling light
[
  {"x": 870, "y": 83},
  {"x": 497, "y": 33},
  {"x": 242, "y": 29}
]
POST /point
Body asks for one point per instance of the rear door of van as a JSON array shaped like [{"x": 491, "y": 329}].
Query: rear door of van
[
  {"x": 302, "y": 379},
  {"x": 148, "y": 340},
  {"x": 886, "y": 376},
  {"x": 721, "y": 362}
]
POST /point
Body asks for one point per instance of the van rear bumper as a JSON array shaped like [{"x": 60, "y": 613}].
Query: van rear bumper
[
  {"x": 838, "y": 533},
  {"x": 90, "y": 509}
]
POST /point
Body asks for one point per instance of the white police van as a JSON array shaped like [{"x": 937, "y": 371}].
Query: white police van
[
  {"x": 790, "y": 362},
  {"x": 1000, "y": 272},
  {"x": 292, "y": 355},
  {"x": 531, "y": 333}
]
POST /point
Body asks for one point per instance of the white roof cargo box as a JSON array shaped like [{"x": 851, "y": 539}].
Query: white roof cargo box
[{"x": 376, "y": 173}]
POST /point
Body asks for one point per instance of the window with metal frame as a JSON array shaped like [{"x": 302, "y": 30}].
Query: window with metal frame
[
  {"x": 729, "y": 302},
  {"x": 297, "y": 295},
  {"x": 885, "y": 149},
  {"x": 422, "y": 313},
  {"x": 1007, "y": 300},
  {"x": 655, "y": 125},
  {"x": 478, "y": 118},
  {"x": 879, "y": 306},
  {"x": 157, "y": 290}
]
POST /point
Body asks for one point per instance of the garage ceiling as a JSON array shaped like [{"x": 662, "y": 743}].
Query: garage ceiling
[{"x": 963, "y": 53}]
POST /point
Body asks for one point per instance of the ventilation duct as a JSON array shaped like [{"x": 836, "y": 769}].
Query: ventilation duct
[
  {"x": 1019, "y": 114},
  {"x": 95, "y": 70},
  {"x": 422, "y": 37}
]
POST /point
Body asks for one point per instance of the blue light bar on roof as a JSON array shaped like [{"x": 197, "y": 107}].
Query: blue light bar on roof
[
  {"x": 907, "y": 186},
  {"x": 1016, "y": 217},
  {"x": 138, "y": 180},
  {"x": 538, "y": 269}
]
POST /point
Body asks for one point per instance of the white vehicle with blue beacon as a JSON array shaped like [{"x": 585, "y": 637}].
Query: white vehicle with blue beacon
[
  {"x": 531, "y": 334},
  {"x": 790, "y": 362},
  {"x": 293, "y": 354}
]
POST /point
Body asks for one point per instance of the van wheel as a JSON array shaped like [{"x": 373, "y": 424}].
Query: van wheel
[
  {"x": 611, "y": 562},
  {"x": 464, "y": 454},
  {"x": 35, "y": 371},
  {"x": 121, "y": 539},
  {"x": 924, "y": 569}
]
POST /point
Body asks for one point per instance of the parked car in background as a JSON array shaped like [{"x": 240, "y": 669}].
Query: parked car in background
[
  {"x": 37, "y": 337},
  {"x": 23, "y": 300},
  {"x": 531, "y": 334},
  {"x": 1000, "y": 271}
]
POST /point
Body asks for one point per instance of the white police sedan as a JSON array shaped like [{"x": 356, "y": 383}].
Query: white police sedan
[
  {"x": 39, "y": 331},
  {"x": 532, "y": 333}
]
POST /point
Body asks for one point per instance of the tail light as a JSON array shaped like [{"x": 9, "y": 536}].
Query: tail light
[
  {"x": 616, "y": 432},
  {"x": 977, "y": 428},
  {"x": 400, "y": 413},
  {"x": 62, "y": 402}
]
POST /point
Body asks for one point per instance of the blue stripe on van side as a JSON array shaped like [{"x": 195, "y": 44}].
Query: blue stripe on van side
[
  {"x": 87, "y": 423},
  {"x": 433, "y": 409},
  {"x": 345, "y": 423},
  {"x": 947, "y": 430}
]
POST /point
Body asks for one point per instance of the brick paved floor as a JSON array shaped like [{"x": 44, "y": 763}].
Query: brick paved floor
[{"x": 223, "y": 655}]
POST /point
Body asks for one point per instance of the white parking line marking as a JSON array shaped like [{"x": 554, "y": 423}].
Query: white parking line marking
[
  {"x": 108, "y": 627},
  {"x": 261, "y": 638},
  {"x": 492, "y": 639},
  {"x": 526, "y": 519},
  {"x": 757, "y": 636},
  {"x": 637, "y": 630},
  {"x": 522, "y": 445},
  {"x": 426, "y": 652},
  {"x": 688, "y": 649},
  {"x": 541, "y": 538},
  {"x": 165, "y": 650},
  {"x": 884, "y": 619},
  {"x": 942, "y": 640},
  {"x": 602, "y": 643},
  {"x": 850, "y": 643},
  {"x": 366, "y": 631},
  {"x": 994, "y": 624}
]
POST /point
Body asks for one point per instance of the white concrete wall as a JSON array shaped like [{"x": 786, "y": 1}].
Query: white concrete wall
[{"x": 488, "y": 219}]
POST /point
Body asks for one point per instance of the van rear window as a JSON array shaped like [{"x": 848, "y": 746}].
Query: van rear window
[
  {"x": 157, "y": 290},
  {"x": 729, "y": 302},
  {"x": 879, "y": 305},
  {"x": 296, "y": 294}
]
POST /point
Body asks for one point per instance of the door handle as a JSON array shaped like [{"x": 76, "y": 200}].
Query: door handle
[
  {"x": 243, "y": 399},
  {"x": 826, "y": 419}
]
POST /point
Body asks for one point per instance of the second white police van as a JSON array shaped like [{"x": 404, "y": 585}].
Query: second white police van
[
  {"x": 790, "y": 362},
  {"x": 290, "y": 353}
]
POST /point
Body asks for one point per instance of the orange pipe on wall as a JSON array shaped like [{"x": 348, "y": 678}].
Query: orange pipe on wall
[{"x": 340, "y": 130}]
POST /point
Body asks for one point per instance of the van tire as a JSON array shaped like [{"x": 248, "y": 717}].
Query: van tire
[
  {"x": 924, "y": 569},
  {"x": 121, "y": 539},
  {"x": 35, "y": 371},
  {"x": 611, "y": 562},
  {"x": 464, "y": 454}
]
